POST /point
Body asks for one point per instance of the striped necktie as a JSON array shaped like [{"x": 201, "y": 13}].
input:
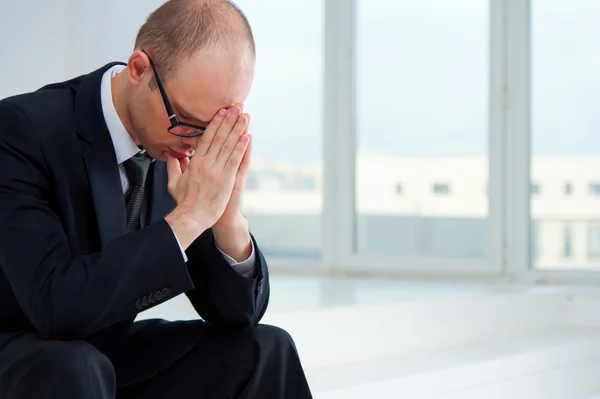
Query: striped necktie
[{"x": 136, "y": 169}]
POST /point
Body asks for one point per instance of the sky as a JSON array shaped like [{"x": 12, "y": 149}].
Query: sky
[{"x": 422, "y": 70}]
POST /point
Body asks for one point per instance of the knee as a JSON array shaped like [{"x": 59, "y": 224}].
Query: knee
[{"x": 76, "y": 363}]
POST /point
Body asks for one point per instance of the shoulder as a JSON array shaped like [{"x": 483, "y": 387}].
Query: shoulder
[{"x": 42, "y": 110}]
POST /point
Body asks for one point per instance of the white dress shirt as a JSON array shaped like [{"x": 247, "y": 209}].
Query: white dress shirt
[{"x": 125, "y": 148}]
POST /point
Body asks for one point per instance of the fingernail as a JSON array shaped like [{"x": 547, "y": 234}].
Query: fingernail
[
  {"x": 241, "y": 121},
  {"x": 221, "y": 113},
  {"x": 234, "y": 111},
  {"x": 244, "y": 139}
]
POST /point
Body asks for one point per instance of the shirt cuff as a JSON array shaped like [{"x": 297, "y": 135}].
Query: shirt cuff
[
  {"x": 185, "y": 258},
  {"x": 245, "y": 268}
]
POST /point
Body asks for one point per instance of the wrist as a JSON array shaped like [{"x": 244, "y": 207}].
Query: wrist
[
  {"x": 187, "y": 225},
  {"x": 233, "y": 238},
  {"x": 236, "y": 222}
]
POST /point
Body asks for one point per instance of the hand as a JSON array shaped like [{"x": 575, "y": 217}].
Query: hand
[
  {"x": 202, "y": 187},
  {"x": 233, "y": 212},
  {"x": 231, "y": 231}
]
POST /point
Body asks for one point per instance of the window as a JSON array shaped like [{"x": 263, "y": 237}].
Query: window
[
  {"x": 286, "y": 104},
  {"x": 301, "y": 182},
  {"x": 441, "y": 189},
  {"x": 565, "y": 121},
  {"x": 399, "y": 189},
  {"x": 567, "y": 251},
  {"x": 565, "y": 125},
  {"x": 594, "y": 241},
  {"x": 422, "y": 107},
  {"x": 594, "y": 189},
  {"x": 568, "y": 189}
]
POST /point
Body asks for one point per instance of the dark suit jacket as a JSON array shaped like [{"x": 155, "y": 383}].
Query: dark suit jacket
[{"x": 68, "y": 270}]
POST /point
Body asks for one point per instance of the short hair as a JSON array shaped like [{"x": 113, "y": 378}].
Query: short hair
[{"x": 178, "y": 29}]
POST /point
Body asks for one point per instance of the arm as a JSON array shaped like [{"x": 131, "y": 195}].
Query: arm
[
  {"x": 65, "y": 296},
  {"x": 222, "y": 296},
  {"x": 230, "y": 294}
]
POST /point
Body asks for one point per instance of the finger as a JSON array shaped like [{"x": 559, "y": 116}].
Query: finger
[
  {"x": 248, "y": 124},
  {"x": 184, "y": 163},
  {"x": 223, "y": 132},
  {"x": 245, "y": 164},
  {"x": 233, "y": 163},
  {"x": 207, "y": 138},
  {"x": 173, "y": 170},
  {"x": 231, "y": 141}
]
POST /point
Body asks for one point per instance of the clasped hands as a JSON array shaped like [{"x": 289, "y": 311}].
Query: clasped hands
[{"x": 208, "y": 189}]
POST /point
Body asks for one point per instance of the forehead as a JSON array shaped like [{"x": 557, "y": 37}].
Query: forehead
[{"x": 204, "y": 84}]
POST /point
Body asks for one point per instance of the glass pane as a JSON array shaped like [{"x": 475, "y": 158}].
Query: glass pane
[
  {"x": 422, "y": 125},
  {"x": 594, "y": 241},
  {"x": 283, "y": 200},
  {"x": 565, "y": 160}
]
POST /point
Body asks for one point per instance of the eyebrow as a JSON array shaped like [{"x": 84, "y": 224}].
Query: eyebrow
[{"x": 188, "y": 115}]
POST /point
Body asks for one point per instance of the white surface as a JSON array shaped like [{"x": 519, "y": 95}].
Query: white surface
[
  {"x": 387, "y": 339},
  {"x": 478, "y": 363},
  {"x": 488, "y": 369}
]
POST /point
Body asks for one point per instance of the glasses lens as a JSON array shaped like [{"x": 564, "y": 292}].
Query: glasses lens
[{"x": 182, "y": 130}]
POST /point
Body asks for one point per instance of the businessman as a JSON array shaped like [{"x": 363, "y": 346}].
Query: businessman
[{"x": 120, "y": 190}]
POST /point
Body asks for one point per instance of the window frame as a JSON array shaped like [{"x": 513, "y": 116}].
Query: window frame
[
  {"x": 508, "y": 252},
  {"x": 339, "y": 212},
  {"x": 518, "y": 177}
]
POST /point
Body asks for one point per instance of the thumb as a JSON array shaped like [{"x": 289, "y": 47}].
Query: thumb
[
  {"x": 173, "y": 169},
  {"x": 184, "y": 163}
]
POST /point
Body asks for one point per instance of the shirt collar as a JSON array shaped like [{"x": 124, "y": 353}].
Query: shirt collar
[{"x": 124, "y": 145}]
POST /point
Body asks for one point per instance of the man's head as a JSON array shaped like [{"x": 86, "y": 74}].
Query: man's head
[{"x": 203, "y": 51}]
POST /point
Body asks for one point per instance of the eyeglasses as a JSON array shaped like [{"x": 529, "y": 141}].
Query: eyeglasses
[{"x": 177, "y": 127}]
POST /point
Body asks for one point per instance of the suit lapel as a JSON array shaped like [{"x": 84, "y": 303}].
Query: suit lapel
[
  {"x": 100, "y": 159},
  {"x": 107, "y": 193}
]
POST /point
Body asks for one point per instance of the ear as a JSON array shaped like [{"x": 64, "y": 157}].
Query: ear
[{"x": 138, "y": 68}]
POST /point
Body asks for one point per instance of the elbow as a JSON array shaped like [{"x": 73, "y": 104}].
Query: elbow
[
  {"x": 55, "y": 318},
  {"x": 56, "y": 325}
]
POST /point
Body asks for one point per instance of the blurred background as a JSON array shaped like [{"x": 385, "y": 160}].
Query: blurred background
[{"x": 425, "y": 182}]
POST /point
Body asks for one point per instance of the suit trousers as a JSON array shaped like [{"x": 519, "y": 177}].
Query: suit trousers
[{"x": 253, "y": 362}]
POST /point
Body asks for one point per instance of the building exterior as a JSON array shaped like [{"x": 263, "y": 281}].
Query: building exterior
[{"x": 430, "y": 207}]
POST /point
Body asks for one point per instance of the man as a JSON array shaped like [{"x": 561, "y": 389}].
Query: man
[{"x": 103, "y": 215}]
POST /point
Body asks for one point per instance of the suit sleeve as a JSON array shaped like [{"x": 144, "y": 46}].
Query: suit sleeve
[
  {"x": 222, "y": 296},
  {"x": 65, "y": 296}
]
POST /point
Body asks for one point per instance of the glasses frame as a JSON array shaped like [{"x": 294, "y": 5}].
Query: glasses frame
[{"x": 175, "y": 122}]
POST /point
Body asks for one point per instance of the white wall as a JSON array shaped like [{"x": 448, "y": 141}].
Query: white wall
[
  {"x": 35, "y": 44},
  {"x": 45, "y": 41}
]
